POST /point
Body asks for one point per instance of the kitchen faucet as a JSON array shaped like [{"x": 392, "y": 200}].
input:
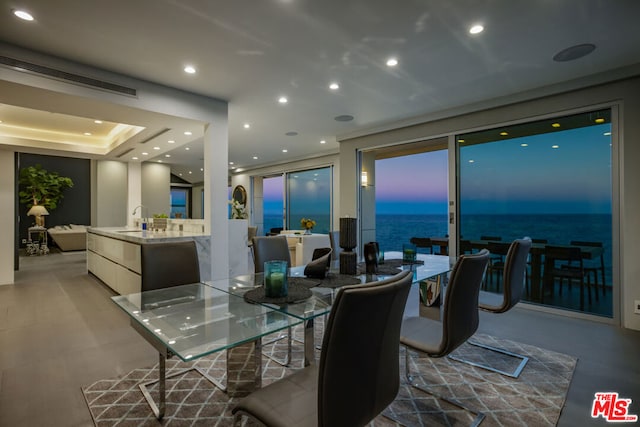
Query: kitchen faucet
[{"x": 142, "y": 209}]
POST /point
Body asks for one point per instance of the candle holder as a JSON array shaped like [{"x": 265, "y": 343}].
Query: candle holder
[
  {"x": 371, "y": 257},
  {"x": 409, "y": 253},
  {"x": 348, "y": 241},
  {"x": 275, "y": 279}
]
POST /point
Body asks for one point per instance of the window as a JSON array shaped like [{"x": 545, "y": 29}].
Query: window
[
  {"x": 550, "y": 180},
  {"x": 179, "y": 202},
  {"x": 309, "y": 196}
]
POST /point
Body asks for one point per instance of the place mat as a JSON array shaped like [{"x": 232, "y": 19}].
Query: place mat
[
  {"x": 332, "y": 280},
  {"x": 297, "y": 292}
]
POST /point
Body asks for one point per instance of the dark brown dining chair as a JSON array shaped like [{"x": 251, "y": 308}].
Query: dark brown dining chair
[
  {"x": 565, "y": 262},
  {"x": 459, "y": 319},
  {"x": 590, "y": 268},
  {"x": 514, "y": 271},
  {"x": 358, "y": 375},
  {"x": 273, "y": 248},
  {"x": 169, "y": 264},
  {"x": 269, "y": 248}
]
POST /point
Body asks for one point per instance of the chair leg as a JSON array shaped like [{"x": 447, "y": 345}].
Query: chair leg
[
  {"x": 479, "y": 416},
  {"x": 516, "y": 372}
]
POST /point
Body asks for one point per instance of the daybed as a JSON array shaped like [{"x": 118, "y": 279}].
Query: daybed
[{"x": 70, "y": 237}]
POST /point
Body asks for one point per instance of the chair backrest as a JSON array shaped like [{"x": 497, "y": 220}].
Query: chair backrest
[
  {"x": 358, "y": 372},
  {"x": 320, "y": 263},
  {"x": 572, "y": 255},
  {"x": 169, "y": 264},
  {"x": 274, "y": 231},
  {"x": 269, "y": 248},
  {"x": 251, "y": 233},
  {"x": 513, "y": 276},
  {"x": 460, "y": 310}
]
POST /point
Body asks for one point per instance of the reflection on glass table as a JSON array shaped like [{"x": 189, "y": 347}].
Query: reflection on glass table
[
  {"x": 320, "y": 302},
  {"x": 191, "y": 321}
]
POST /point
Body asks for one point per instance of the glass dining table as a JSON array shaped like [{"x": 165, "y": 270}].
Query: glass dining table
[{"x": 195, "y": 320}]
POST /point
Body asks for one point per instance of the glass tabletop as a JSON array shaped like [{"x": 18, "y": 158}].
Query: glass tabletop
[
  {"x": 322, "y": 297},
  {"x": 195, "y": 320}
]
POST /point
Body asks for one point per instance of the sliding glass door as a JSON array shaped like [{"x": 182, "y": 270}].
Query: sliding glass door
[
  {"x": 309, "y": 196},
  {"x": 550, "y": 180}
]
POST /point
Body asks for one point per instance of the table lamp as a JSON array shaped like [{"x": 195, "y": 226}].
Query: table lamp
[{"x": 38, "y": 211}]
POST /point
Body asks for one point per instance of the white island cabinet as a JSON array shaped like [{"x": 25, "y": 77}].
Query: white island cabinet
[{"x": 113, "y": 254}]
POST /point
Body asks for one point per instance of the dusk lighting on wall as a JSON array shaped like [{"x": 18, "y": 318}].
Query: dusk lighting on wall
[{"x": 364, "y": 179}]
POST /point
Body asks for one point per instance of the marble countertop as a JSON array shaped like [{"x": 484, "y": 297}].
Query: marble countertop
[{"x": 134, "y": 235}]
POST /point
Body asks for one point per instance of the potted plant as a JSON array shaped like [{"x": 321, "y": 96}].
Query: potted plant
[
  {"x": 39, "y": 187},
  {"x": 160, "y": 221}
]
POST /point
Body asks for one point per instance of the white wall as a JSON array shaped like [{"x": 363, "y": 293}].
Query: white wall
[
  {"x": 625, "y": 94},
  {"x": 109, "y": 190},
  {"x": 156, "y": 188},
  {"x": 7, "y": 216}
]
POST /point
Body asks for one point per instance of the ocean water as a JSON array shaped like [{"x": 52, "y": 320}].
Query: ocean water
[{"x": 394, "y": 230}]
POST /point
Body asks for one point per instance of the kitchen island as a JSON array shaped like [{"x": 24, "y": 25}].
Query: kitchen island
[{"x": 113, "y": 254}]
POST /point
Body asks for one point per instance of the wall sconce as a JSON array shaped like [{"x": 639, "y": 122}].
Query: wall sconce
[{"x": 364, "y": 180}]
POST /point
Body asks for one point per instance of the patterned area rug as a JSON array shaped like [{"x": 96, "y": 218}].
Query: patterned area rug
[{"x": 535, "y": 398}]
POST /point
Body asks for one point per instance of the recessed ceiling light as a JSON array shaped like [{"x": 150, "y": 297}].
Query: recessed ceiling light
[
  {"x": 334, "y": 86},
  {"x": 323, "y": 142},
  {"x": 88, "y": 133},
  {"x": 233, "y": 167},
  {"x": 190, "y": 172},
  {"x": 144, "y": 153},
  {"x": 524, "y": 144},
  {"x": 23, "y": 14},
  {"x": 555, "y": 125},
  {"x": 504, "y": 133},
  {"x": 167, "y": 155},
  {"x": 201, "y": 169},
  {"x": 284, "y": 150},
  {"x": 180, "y": 174},
  {"x": 476, "y": 29},
  {"x": 171, "y": 141},
  {"x": 230, "y": 163},
  {"x": 555, "y": 146},
  {"x": 134, "y": 158},
  {"x": 190, "y": 69},
  {"x": 283, "y": 100},
  {"x": 187, "y": 148},
  {"x": 159, "y": 161},
  {"x": 461, "y": 140},
  {"x": 188, "y": 133},
  {"x": 255, "y": 157},
  {"x": 600, "y": 120},
  {"x": 472, "y": 161},
  {"x": 392, "y": 62},
  {"x": 607, "y": 134},
  {"x": 246, "y": 125},
  {"x": 98, "y": 122},
  {"x": 156, "y": 148}
]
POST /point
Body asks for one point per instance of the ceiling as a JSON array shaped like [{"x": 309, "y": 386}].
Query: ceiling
[{"x": 250, "y": 53}]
